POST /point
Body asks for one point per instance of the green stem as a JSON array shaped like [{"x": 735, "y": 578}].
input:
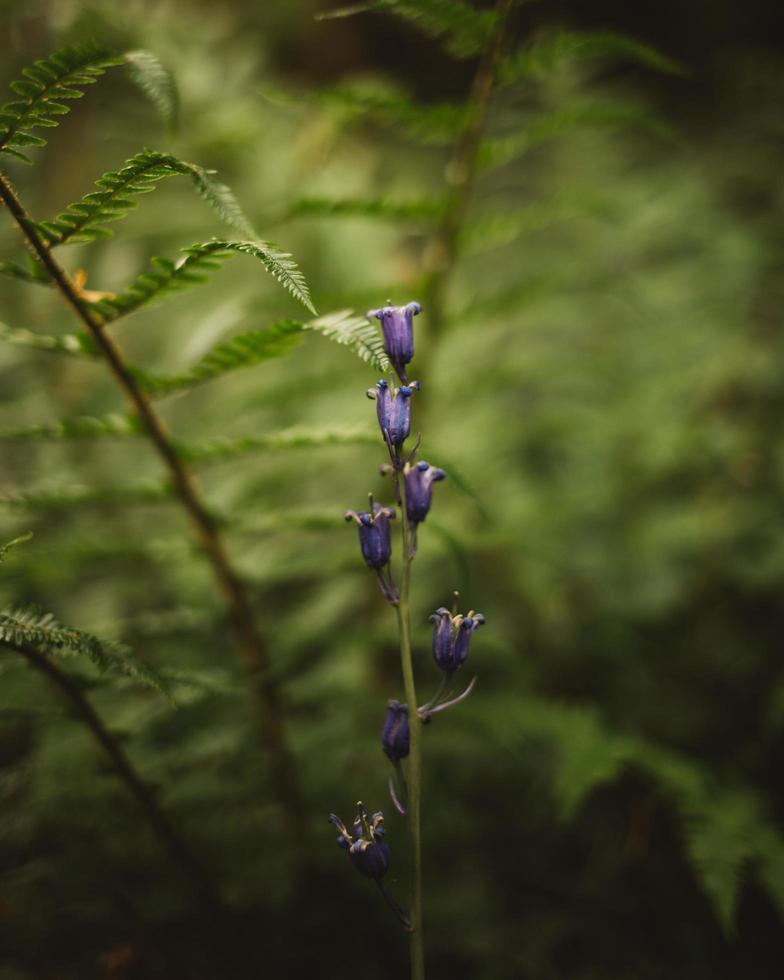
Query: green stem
[{"x": 415, "y": 746}]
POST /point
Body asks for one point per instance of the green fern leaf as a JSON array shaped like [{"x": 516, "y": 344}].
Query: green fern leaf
[
  {"x": 221, "y": 449},
  {"x": 45, "y": 88},
  {"x": 435, "y": 124},
  {"x": 356, "y": 333},
  {"x": 540, "y": 56},
  {"x": 167, "y": 277},
  {"x": 40, "y": 630},
  {"x": 498, "y": 152},
  {"x": 464, "y": 29},
  {"x": 74, "y": 345},
  {"x": 244, "y": 350},
  {"x": 57, "y": 498},
  {"x": 158, "y": 84},
  {"x": 4, "y": 549},
  {"x": 425, "y": 210},
  {"x": 81, "y": 427},
  {"x": 32, "y": 272},
  {"x": 83, "y": 221}
]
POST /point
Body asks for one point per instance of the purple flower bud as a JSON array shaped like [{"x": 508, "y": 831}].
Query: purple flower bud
[
  {"x": 374, "y": 535},
  {"x": 451, "y": 636},
  {"x": 365, "y": 844},
  {"x": 397, "y": 326},
  {"x": 395, "y": 733},
  {"x": 419, "y": 489},
  {"x": 393, "y": 407}
]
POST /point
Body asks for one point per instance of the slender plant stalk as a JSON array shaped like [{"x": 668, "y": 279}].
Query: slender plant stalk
[
  {"x": 415, "y": 745},
  {"x": 442, "y": 249},
  {"x": 164, "y": 830},
  {"x": 251, "y": 644}
]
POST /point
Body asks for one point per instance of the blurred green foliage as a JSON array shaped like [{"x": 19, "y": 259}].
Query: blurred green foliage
[{"x": 606, "y": 392}]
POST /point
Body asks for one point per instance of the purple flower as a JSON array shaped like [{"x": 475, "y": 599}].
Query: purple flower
[
  {"x": 419, "y": 489},
  {"x": 395, "y": 733},
  {"x": 365, "y": 843},
  {"x": 393, "y": 407},
  {"x": 374, "y": 537},
  {"x": 451, "y": 636},
  {"x": 397, "y": 326}
]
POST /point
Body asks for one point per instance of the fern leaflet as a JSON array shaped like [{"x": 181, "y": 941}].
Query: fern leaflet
[
  {"x": 83, "y": 221},
  {"x": 367, "y": 208},
  {"x": 73, "y": 344},
  {"x": 168, "y": 277},
  {"x": 355, "y": 332},
  {"x": 45, "y": 87},
  {"x": 157, "y": 83},
  {"x": 4, "y": 549},
  {"x": 32, "y": 627},
  {"x": 81, "y": 427}
]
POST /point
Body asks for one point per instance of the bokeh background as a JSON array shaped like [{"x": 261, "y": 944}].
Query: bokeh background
[{"x": 603, "y": 378}]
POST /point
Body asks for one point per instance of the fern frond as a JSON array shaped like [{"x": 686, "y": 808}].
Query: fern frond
[
  {"x": 464, "y": 29},
  {"x": 32, "y": 627},
  {"x": 33, "y": 271},
  {"x": 157, "y": 82},
  {"x": 244, "y": 350},
  {"x": 80, "y": 427},
  {"x": 84, "y": 220},
  {"x": 56, "y": 498},
  {"x": 73, "y": 344},
  {"x": 538, "y": 57},
  {"x": 226, "y": 448},
  {"x": 167, "y": 277},
  {"x": 45, "y": 88},
  {"x": 425, "y": 210},
  {"x": 4, "y": 549},
  {"x": 356, "y": 333},
  {"x": 500, "y": 151},
  {"x": 434, "y": 124}
]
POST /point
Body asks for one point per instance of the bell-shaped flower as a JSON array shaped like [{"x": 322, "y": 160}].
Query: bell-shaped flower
[
  {"x": 420, "y": 478},
  {"x": 395, "y": 732},
  {"x": 397, "y": 327},
  {"x": 375, "y": 540},
  {"x": 393, "y": 408},
  {"x": 365, "y": 843},
  {"x": 451, "y": 637}
]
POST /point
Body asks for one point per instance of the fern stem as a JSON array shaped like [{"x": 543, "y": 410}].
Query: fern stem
[
  {"x": 415, "y": 745},
  {"x": 172, "y": 842},
  {"x": 441, "y": 252},
  {"x": 250, "y": 641}
]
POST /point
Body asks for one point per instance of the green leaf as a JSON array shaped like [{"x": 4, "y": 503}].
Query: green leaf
[
  {"x": 167, "y": 277},
  {"x": 82, "y": 221},
  {"x": 31, "y": 627},
  {"x": 244, "y": 350},
  {"x": 74, "y": 345},
  {"x": 4, "y": 549},
  {"x": 547, "y": 126},
  {"x": 226, "y": 448},
  {"x": 424, "y": 210},
  {"x": 45, "y": 88},
  {"x": 539, "y": 57},
  {"x": 33, "y": 271},
  {"x": 158, "y": 84},
  {"x": 464, "y": 29},
  {"x": 80, "y": 427},
  {"x": 356, "y": 333}
]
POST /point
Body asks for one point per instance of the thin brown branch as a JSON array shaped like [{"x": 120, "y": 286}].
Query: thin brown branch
[
  {"x": 250, "y": 642},
  {"x": 182, "y": 855},
  {"x": 442, "y": 249}
]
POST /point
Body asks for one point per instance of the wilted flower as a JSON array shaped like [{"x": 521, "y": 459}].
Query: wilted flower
[
  {"x": 397, "y": 326},
  {"x": 374, "y": 536},
  {"x": 393, "y": 407},
  {"x": 419, "y": 489},
  {"x": 365, "y": 843},
  {"x": 451, "y": 636},
  {"x": 395, "y": 732}
]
